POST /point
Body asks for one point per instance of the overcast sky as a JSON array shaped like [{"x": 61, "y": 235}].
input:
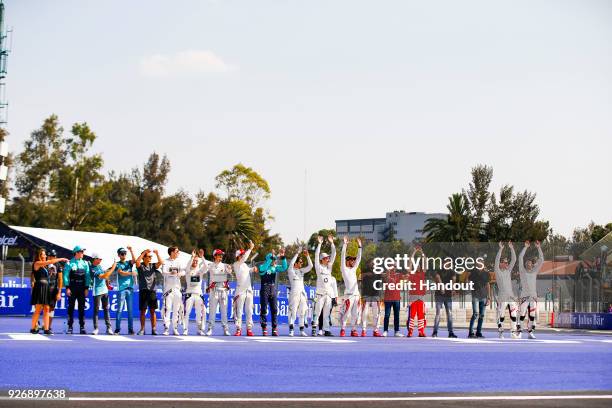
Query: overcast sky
[{"x": 386, "y": 104}]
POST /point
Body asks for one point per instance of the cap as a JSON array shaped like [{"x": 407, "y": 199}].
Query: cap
[
  {"x": 77, "y": 249},
  {"x": 218, "y": 252},
  {"x": 323, "y": 256},
  {"x": 240, "y": 252},
  {"x": 52, "y": 252},
  {"x": 95, "y": 255},
  {"x": 122, "y": 250}
]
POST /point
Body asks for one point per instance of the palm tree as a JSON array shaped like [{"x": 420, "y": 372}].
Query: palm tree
[{"x": 458, "y": 225}]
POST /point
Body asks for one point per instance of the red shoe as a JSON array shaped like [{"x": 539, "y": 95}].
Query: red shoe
[
  {"x": 238, "y": 332},
  {"x": 363, "y": 333},
  {"x": 275, "y": 332},
  {"x": 342, "y": 333},
  {"x": 354, "y": 333},
  {"x": 376, "y": 333},
  {"x": 422, "y": 333},
  {"x": 264, "y": 332},
  {"x": 409, "y": 333},
  {"x": 249, "y": 332}
]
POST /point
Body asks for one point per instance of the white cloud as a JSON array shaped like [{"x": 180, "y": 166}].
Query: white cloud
[{"x": 188, "y": 62}]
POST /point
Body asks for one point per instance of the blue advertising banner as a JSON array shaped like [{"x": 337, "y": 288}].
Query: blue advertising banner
[
  {"x": 15, "y": 301},
  {"x": 593, "y": 321}
]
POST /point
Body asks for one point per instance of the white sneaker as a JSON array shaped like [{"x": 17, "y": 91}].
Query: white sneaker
[
  {"x": 320, "y": 332},
  {"x": 226, "y": 332},
  {"x": 384, "y": 334},
  {"x": 165, "y": 333},
  {"x": 185, "y": 332},
  {"x": 209, "y": 332},
  {"x": 501, "y": 334},
  {"x": 201, "y": 332},
  {"x": 531, "y": 335},
  {"x": 303, "y": 333},
  {"x": 175, "y": 332},
  {"x": 290, "y": 333},
  {"x": 140, "y": 332},
  {"x": 398, "y": 334},
  {"x": 516, "y": 335},
  {"x": 94, "y": 332}
]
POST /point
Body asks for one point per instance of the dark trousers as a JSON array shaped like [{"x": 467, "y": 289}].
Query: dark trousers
[
  {"x": 101, "y": 299},
  {"x": 77, "y": 295},
  {"x": 396, "y": 311},
  {"x": 267, "y": 297},
  {"x": 478, "y": 311}
]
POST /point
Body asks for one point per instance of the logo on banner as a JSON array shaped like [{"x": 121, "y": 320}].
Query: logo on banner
[{"x": 9, "y": 241}]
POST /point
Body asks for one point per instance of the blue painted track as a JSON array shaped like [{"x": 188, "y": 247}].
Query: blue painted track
[{"x": 553, "y": 362}]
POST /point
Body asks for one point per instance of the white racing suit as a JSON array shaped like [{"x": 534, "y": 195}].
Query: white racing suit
[
  {"x": 370, "y": 304},
  {"x": 243, "y": 298},
  {"x": 172, "y": 270},
  {"x": 325, "y": 291},
  {"x": 349, "y": 311},
  {"x": 506, "y": 299},
  {"x": 529, "y": 295},
  {"x": 218, "y": 289},
  {"x": 298, "y": 301},
  {"x": 194, "y": 297}
]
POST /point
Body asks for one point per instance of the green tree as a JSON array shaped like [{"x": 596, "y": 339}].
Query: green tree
[
  {"x": 243, "y": 183},
  {"x": 456, "y": 227},
  {"x": 478, "y": 198},
  {"x": 44, "y": 152},
  {"x": 514, "y": 217}
]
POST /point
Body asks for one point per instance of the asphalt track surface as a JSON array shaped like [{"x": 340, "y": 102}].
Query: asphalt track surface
[{"x": 556, "y": 369}]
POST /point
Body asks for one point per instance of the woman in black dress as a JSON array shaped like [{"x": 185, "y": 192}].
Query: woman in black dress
[{"x": 41, "y": 292}]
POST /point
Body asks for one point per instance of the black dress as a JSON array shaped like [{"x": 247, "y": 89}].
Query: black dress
[{"x": 41, "y": 295}]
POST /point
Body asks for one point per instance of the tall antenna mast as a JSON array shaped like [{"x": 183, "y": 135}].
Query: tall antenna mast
[
  {"x": 4, "y": 51},
  {"x": 305, "y": 202}
]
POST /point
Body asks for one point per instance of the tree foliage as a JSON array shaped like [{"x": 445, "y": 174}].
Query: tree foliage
[
  {"x": 60, "y": 184},
  {"x": 480, "y": 215}
]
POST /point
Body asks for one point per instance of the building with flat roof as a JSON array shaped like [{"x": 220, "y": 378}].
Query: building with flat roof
[{"x": 405, "y": 226}]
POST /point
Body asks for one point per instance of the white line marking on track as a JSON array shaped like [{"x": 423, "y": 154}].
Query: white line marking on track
[
  {"x": 111, "y": 338},
  {"x": 300, "y": 340},
  {"x": 200, "y": 339},
  {"x": 28, "y": 337},
  {"x": 468, "y": 341},
  {"x": 349, "y": 399}
]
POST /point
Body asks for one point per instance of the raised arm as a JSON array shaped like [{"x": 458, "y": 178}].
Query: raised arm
[
  {"x": 129, "y": 248},
  {"x": 512, "y": 256},
  {"x": 498, "y": 256},
  {"x": 294, "y": 259},
  {"x": 358, "y": 260},
  {"x": 540, "y": 262},
  {"x": 246, "y": 255},
  {"x": 522, "y": 256},
  {"x": 318, "y": 252},
  {"x": 108, "y": 272},
  {"x": 333, "y": 251},
  {"x": 138, "y": 260},
  {"x": 308, "y": 267},
  {"x": 343, "y": 253},
  {"x": 263, "y": 269},
  {"x": 283, "y": 266}
]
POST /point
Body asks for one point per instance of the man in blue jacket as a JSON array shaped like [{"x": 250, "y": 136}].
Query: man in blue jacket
[
  {"x": 267, "y": 291},
  {"x": 76, "y": 281}
]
